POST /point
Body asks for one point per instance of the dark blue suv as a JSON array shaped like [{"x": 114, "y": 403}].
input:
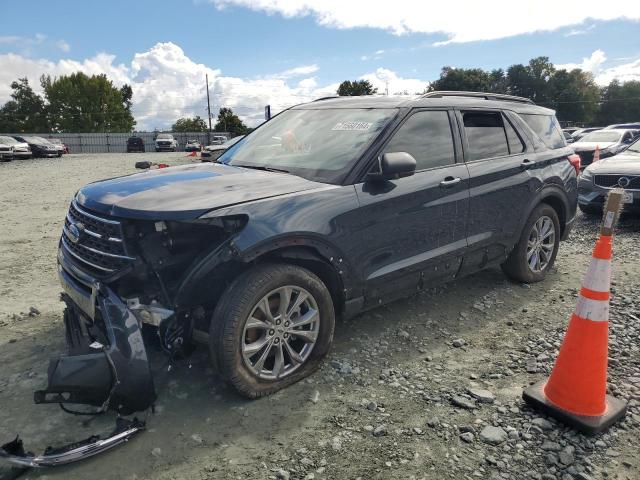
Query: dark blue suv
[{"x": 328, "y": 209}]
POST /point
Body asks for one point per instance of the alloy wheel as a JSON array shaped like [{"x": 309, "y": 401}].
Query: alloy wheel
[{"x": 541, "y": 244}]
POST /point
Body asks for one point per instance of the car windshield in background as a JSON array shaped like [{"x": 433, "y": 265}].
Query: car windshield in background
[
  {"x": 40, "y": 140},
  {"x": 602, "y": 136},
  {"x": 8, "y": 141},
  {"x": 164, "y": 136},
  {"x": 634, "y": 147},
  {"x": 319, "y": 144}
]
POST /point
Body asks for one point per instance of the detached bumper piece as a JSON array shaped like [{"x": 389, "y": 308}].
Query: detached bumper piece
[{"x": 13, "y": 452}]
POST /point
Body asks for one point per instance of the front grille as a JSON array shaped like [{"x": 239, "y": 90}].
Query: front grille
[
  {"x": 99, "y": 248},
  {"x": 610, "y": 181},
  {"x": 164, "y": 144},
  {"x": 586, "y": 158}
]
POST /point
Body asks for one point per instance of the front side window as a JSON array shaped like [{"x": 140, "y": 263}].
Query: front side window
[
  {"x": 320, "y": 144},
  {"x": 427, "y": 137},
  {"x": 486, "y": 136},
  {"x": 547, "y": 128}
]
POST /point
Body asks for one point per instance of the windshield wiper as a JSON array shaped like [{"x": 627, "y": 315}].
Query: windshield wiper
[{"x": 262, "y": 167}]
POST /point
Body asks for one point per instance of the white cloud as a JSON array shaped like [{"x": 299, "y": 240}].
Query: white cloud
[
  {"x": 62, "y": 45},
  {"x": 624, "y": 72},
  {"x": 468, "y": 21},
  {"x": 590, "y": 64},
  {"x": 384, "y": 78},
  {"x": 298, "y": 71},
  {"x": 579, "y": 31}
]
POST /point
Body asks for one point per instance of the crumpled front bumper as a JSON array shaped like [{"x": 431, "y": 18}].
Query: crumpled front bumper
[{"x": 109, "y": 370}]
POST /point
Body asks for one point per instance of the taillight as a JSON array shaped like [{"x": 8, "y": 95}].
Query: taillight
[{"x": 575, "y": 161}]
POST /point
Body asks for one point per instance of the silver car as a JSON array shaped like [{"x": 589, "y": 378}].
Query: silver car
[
  {"x": 610, "y": 142},
  {"x": 622, "y": 170},
  {"x": 20, "y": 149}
]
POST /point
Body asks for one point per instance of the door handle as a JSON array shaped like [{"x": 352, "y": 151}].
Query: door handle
[
  {"x": 526, "y": 163},
  {"x": 449, "y": 182}
]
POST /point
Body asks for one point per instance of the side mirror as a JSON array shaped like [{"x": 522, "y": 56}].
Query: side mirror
[{"x": 393, "y": 165}]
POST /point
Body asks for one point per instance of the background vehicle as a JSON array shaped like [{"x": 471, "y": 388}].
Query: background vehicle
[
  {"x": 135, "y": 144},
  {"x": 6, "y": 152},
  {"x": 192, "y": 146},
  {"x": 581, "y": 132},
  {"x": 624, "y": 126},
  {"x": 328, "y": 209},
  {"x": 622, "y": 170},
  {"x": 212, "y": 152},
  {"x": 21, "y": 150},
  {"x": 218, "y": 139},
  {"x": 610, "y": 143},
  {"x": 567, "y": 137},
  {"x": 40, "y": 147},
  {"x": 62, "y": 148},
  {"x": 166, "y": 142}
]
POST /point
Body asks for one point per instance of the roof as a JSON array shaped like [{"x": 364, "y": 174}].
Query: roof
[{"x": 375, "y": 101}]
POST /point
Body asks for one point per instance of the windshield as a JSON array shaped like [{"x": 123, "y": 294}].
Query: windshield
[
  {"x": 40, "y": 140},
  {"x": 602, "y": 136},
  {"x": 164, "y": 136},
  {"x": 634, "y": 147},
  {"x": 318, "y": 144},
  {"x": 8, "y": 140}
]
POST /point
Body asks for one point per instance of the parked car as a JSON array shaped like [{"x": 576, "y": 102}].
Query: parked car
[
  {"x": 166, "y": 142},
  {"x": 567, "y": 136},
  {"x": 610, "y": 143},
  {"x": 570, "y": 130},
  {"x": 622, "y": 170},
  {"x": 212, "y": 152},
  {"x": 40, "y": 147},
  {"x": 62, "y": 148},
  {"x": 624, "y": 126},
  {"x": 21, "y": 150},
  {"x": 135, "y": 144},
  {"x": 219, "y": 139},
  {"x": 578, "y": 134},
  {"x": 6, "y": 152},
  {"x": 192, "y": 146}
]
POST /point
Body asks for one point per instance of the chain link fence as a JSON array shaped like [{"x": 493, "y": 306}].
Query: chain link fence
[{"x": 117, "y": 142}]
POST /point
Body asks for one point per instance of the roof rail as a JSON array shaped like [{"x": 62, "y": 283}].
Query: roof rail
[
  {"x": 326, "y": 98},
  {"x": 486, "y": 96}
]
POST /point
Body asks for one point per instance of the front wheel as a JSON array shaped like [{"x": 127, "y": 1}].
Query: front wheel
[
  {"x": 534, "y": 254},
  {"x": 271, "y": 328}
]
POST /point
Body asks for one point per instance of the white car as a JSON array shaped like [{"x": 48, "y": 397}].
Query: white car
[
  {"x": 166, "y": 142},
  {"x": 610, "y": 142},
  {"x": 20, "y": 149}
]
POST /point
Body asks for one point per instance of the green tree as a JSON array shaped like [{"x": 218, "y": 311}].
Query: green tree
[
  {"x": 620, "y": 103},
  {"x": 25, "y": 112},
  {"x": 462, "y": 79},
  {"x": 575, "y": 96},
  {"x": 195, "y": 124},
  {"x": 79, "y": 103},
  {"x": 355, "y": 88},
  {"x": 230, "y": 122}
]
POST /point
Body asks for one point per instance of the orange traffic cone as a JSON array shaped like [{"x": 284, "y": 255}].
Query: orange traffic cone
[
  {"x": 596, "y": 154},
  {"x": 193, "y": 154},
  {"x": 576, "y": 390}
]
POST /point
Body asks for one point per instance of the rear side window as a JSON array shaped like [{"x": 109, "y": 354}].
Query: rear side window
[
  {"x": 514, "y": 140},
  {"x": 427, "y": 136},
  {"x": 547, "y": 128},
  {"x": 486, "y": 135}
]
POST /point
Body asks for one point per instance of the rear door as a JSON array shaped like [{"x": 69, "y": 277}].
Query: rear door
[
  {"x": 413, "y": 228},
  {"x": 501, "y": 186}
]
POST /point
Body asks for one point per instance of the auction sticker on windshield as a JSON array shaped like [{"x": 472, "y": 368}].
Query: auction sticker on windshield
[{"x": 352, "y": 126}]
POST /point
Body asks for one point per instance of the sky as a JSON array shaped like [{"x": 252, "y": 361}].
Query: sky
[{"x": 285, "y": 52}]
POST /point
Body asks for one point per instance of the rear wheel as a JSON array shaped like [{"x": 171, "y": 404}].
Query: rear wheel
[
  {"x": 535, "y": 252},
  {"x": 271, "y": 328}
]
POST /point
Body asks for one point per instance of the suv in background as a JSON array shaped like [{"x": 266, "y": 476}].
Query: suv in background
[
  {"x": 135, "y": 144},
  {"x": 166, "y": 142},
  {"x": 331, "y": 208}
]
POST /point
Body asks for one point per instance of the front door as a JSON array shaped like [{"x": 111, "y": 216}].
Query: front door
[{"x": 413, "y": 228}]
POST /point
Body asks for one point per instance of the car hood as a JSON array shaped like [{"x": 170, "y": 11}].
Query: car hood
[
  {"x": 187, "y": 192},
  {"x": 590, "y": 146},
  {"x": 624, "y": 163}
]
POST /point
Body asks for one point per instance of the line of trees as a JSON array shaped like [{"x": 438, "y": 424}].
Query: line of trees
[
  {"x": 574, "y": 94},
  {"x": 227, "y": 122},
  {"x": 71, "y": 103}
]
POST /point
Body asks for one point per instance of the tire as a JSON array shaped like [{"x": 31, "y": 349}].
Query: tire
[
  {"x": 228, "y": 335},
  {"x": 517, "y": 266},
  {"x": 589, "y": 210}
]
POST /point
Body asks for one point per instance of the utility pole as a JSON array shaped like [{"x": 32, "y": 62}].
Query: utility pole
[{"x": 208, "y": 110}]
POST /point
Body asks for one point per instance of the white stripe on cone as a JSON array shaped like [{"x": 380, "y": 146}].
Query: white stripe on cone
[
  {"x": 598, "y": 277},
  {"x": 595, "y": 310}
]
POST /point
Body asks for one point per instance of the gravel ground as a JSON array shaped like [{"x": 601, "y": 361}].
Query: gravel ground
[{"x": 428, "y": 387}]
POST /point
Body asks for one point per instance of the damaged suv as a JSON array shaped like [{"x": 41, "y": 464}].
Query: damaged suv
[{"x": 328, "y": 209}]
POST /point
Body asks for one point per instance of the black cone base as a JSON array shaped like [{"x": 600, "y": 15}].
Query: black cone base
[{"x": 616, "y": 409}]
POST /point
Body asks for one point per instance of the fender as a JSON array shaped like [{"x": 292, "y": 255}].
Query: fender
[{"x": 548, "y": 190}]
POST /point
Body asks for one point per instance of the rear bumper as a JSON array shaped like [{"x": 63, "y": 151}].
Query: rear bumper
[{"x": 107, "y": 365}]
